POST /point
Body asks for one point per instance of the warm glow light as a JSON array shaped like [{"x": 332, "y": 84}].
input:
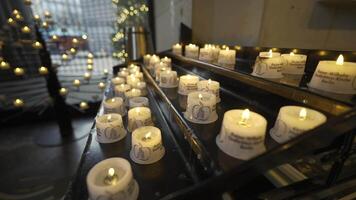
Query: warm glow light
[
  {"x": 19, "y": 71},
  {"x": 43, "y": 70},
  {"x": 54, "y": 37},
  {"x": 106, "y": 72},
  {"x": 83, "y": 105},
  {"x": 244, "y": 117},
  {"x": 111, "y": 171},
  {"x": 75, "y": 41},
  {"x": 303, "y": 114},
  {"x": 113, "y": 100},
  {"x": 26, "y": 29},
  {"x": 18, "y": 103},
  {"x": 340, "y": 60},
  {"x": 147, "y": 135},
  {"x": 63, "y": 91},
  {"x": 76, "y": 82},
  {"x": 200, "y": 96},
  {"x": 209, "y": 81},
  {"x": 270, "y": 53},
  {"x": 137, "y": 110},
  {"x": 291, "y": 53},
  {"x": 84, "y": 37},
  {"x": 90, "y": 55},
  {"x": 109, "y": 118},
  {"x": 101, "y": 85}
]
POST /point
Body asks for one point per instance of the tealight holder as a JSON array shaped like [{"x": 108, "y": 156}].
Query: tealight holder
[
  {"x": 109, "y": 128},
  {"x": 201, "y": 108},
  {"x": 153, "y": 61},
  {"x": 139, "y": 116},
  {"x": 293, "y": 121},
  {"x": 157, "y": 69},
  {"x": 187, "y": 83},
  {"x": 147, "y": 147},
  {"x": 114, "y": 105},
  {"x": 131, "y": 94},
  {"x": 117, "y": 80},
  {"x": 121, "y": 89},
  {"x": 269, "y": 68},
  {"x": 192, "y": 51},
  {"x": 146, "y": 59},
  {"x": 132, "y": 80},
  {"x": 206, "y": 54},
  {"x": 143, "y": 87},
  {"x": 112, "y": 179},
  {"x": 210, "y": 86},
  {"x": 138, "y": 102},
  {"x": 167, "y": 61},
  {"x": 227, "y": 58},
  {"x": 177, "y": 49},
  {"x": 334, "y": 78},
  {"x": 168, "y": 79},
  {"x": 242, "y": 136}
]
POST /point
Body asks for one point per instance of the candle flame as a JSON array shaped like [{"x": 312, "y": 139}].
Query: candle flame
[
  {"x": 148, "y": 135},
  {"x": 291, "y": 53},
  {"x": 209, "y": 81},
  {"x": 111, "y": 172},
  {"x": 109, "y": 117},
  {"x": 200, "y": 96},
  {"x": 113, "y": 100},
  {"x": 270, "y": 53},
  {"x": 303, "y": 114},
  {"x": 340, "y": 60},
  {"x": 244, "y": 117},
  {"x": 137, "y": 110}
]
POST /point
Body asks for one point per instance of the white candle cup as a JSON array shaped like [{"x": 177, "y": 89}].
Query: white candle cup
[
  {"x": 158, "y": 67},
  {"x": 153, "y": 61},
  {"x": 168, "y": 79},
  {"x": 109, "y": 128},
  {"x": 138, "y": 102},
  {"x": 242, "y": 136},
  {"x": 119, "y": 186},
  {"x": 138, "y": 75},
  {"x": 210, "y": 86},
  {"x": 159, "y": 71},
  {"x": 118, "y": 80},
  {"x": 114, "y": 105},
  {"x": 123, "y": 74},
  {"x": 131, "y": 94},
  {"x": 269, "y": 68},
  {"x": 139, "y": 116},
  {"x": 132, "y": 80},
  {"x": 192, "y": 51},
  {"x": 147, "y": 147},
  {"x": 227, "y": 58},
  {"x": 335, "y": 78},
  {"x": 187, "y": 83},
  {"x": 206, "y": 54},
  {"x": 201, "y": 108},
  {"x": 121, "y": 89},
  {"x": 177, "y": 49},
  {"x": 268, "y": 54},
  {"x": 293, "y": 63},
  {"x": 293, "y": 121},
  {"x": 146, "y": 59},
  {"x": 167, "y": 61},
  {"x": 143, "y": 87}
]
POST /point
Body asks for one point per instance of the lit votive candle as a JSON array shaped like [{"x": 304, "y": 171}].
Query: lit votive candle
[
  {"x": 132, "y": 80},
  {"x": 112, "y": 179},
  {"x": 19, "y": 71},
  {"x": 118, "y": 80},
  {"x": 268, "y": 66},
  {"x": 210, "y": 86},
  {"x": 158, "y": 67},
  {"x": 192, "y": 51},
  {"x": 114, "y": 105},
  {"x": 123, "y": 69},
  {"x": 147, "y": 147},
  {"x": 153, "y": 61},
  {"x": 167, "y": 61},
  {"x": 159, "y": 71},
  {"x": 121, "y": 89},
  {"x": 146, "y": 59},
  {"x": 215, "y": 52},
  {"x": 335, "y": 77},
  {"x": 227, "y": 58},
  {"x": 177, "y": 49},
  {"x": 206, "y": 54},
  {"x": 242, "y": 134},
  {"x": 138, "y": 75},
  {"x": 109, "y": 128},
  {"x": 168, "y": 79},
  {"x": 139, "y": 116},
  {"x": 138, "y": 102},
  {"x": 143, "y": 87},
  {"x": 131, "y": 94},
  {"x": 123, "y": 74},
  {"x": 292, "y": 121},
  {"x": 268, "y": 54},
  {"x": 293, "y": 63},
  {"x": 201, "y": 107},
  {"x": 187, "y": 83}
]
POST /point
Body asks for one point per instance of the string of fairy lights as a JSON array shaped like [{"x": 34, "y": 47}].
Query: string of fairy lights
[
  {"x": 16, "y": 20},
  {"x": 131, "y": 12}
]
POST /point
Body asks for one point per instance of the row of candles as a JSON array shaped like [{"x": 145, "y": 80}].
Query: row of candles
[
  {"x": 242, "y": 133},
  {"x": 113, "y": 178},
  {"x": 330, "y": 76}
]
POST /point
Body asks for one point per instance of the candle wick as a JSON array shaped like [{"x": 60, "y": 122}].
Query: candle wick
[{"x": 111, "y": 177}]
